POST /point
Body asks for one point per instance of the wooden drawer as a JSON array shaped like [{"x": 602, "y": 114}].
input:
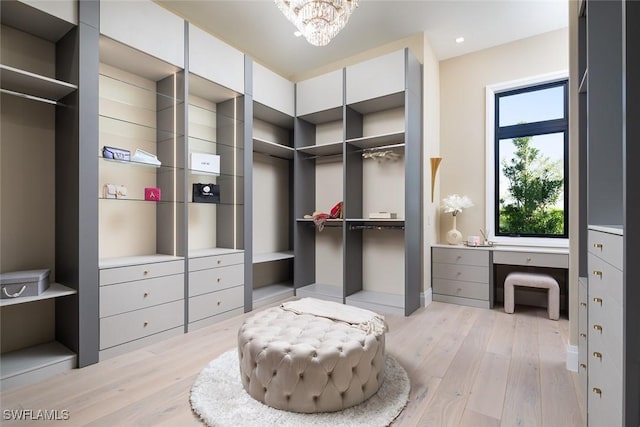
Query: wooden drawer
[
  {"x": 215, "y": 279},
  {"x": 461, "y": 289},
  {"x": 607, "y": 247},
  {"x": 605, "y": 281},
  {"x": 215, "y": 261},
  {"x": 476, "y": 257},
  {"x": 109, "y": 276},
  {"x": 123, "y": 297},
  {"x": 465, "y": 273},
  {"x": 213, "y": 303},
  {"x": 130, "y": 326},
  {"x": 531, "y": 258}
]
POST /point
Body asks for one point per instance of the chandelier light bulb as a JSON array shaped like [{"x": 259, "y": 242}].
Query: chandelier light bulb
[{"x": 319, "y": 21}]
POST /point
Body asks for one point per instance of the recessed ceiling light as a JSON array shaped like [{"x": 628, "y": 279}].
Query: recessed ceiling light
[
  {"x": 459, "y": 40},
  {"x": 297, "y": 33}
]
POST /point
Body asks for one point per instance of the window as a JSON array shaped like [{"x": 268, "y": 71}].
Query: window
[{"x": 530, "y": 161}]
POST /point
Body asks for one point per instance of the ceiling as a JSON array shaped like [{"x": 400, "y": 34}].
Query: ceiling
[{"x": 259, "y": 29}]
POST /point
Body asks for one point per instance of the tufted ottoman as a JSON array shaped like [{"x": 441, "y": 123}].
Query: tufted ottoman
[{"x": 302, "y": 362}]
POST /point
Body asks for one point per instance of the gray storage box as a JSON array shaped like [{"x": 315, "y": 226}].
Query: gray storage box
[{"x": 29, "y": 283}]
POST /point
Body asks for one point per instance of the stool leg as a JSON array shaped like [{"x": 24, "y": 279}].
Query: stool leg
[
  {"x": 553, "y": 304},
  {"x": 508, "y": 297}
]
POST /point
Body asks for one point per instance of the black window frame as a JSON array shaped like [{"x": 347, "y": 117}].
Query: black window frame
[{"x": 532, "y": 129}]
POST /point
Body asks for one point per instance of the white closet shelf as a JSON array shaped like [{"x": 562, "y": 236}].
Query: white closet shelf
[
  {"x": 272, "y": 148},
  {"x": 50, "y": 356},
  {"x": 377, "y": 301},
  {"x": 321, "y": 291},
  {"x": 272, "y": 256},
  {"x": 378, "y": 141},
  {"x": 54, "y": 290},
  {"x": 32, "y": 85},
  {"x": 269, "y": 294},
  {"x": 330, "y": 149}
]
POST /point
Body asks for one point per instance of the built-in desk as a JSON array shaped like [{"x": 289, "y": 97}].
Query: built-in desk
[{"x": 469, "y": 275}]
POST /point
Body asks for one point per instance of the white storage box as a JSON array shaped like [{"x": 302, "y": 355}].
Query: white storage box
[
  {"x": 29, "y": 283},
  {"x": 204, "y": 162},
  {"x": 383, "y": 215}
]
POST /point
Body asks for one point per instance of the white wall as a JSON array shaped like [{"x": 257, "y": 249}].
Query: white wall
[{"x": 462, "y": 114}]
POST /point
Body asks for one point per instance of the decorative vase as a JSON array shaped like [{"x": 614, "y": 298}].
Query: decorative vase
[{"x": 454, "y": 237}]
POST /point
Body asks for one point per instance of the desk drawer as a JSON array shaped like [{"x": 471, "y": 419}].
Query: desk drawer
[
  {"x": 213, "y": 303},
  {"x": 605, "y": 281},
  {"x": 214, "y": 261},
  {"x": 130, "y": 326},
  {"x": 461, "y": 289},
  {"x": 606, "y": 246},
  {"x": 215, "y": 279},
  {"x": 123, "y": 297},
  {"x": 478, "y": 257},
  {"x": 533, "y": 259},
  {"x": 465, "y": 273},
  {"x": 109, "y": 276}
]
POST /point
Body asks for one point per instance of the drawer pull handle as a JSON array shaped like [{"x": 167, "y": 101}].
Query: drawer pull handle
[
  {"x": 146, "y": 322},
  {"x": 583, "y": 366},
  {"x": 583, "y": 335},
  {"x": 597, "y": 246},
  {"x": 598, "y": 300},
  {"x": 219, "y": 302},
  {"x": 597, "y": 273},
  {"x": 219, "y": 279},
  {"x": 146, "y": 294},
  {"x": 219, "y": 261},
  {"x": 145, "y": 272},
  {"x": 597, "y": 355},
  {"x": 597, "y": 328},
  {"x": 583, "y": 304},
  {"x": 528, "y": 259},
  {"x": 597, "y": 391}
]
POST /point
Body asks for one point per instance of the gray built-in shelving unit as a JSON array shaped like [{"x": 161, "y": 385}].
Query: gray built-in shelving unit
[
  {"x": 608, "y": 93},
  {"x": 49, "y": 124},
  {"x": 375, "y": 105},
  {"x": 128, "y": 272}
]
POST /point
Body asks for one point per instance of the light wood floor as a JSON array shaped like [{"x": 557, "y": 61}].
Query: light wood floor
[{"x": 468, "y": 367}]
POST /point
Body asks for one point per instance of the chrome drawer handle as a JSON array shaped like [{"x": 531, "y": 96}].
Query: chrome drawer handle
[
  {"x": 597, "y": 391},
  {"x": 597, "y": 273},
  {"x": 597, "y": 328},
  {"x": 597, "y": 246},
  {"x": 597, "y": 355},
  {"x": 598, "y": 300}
]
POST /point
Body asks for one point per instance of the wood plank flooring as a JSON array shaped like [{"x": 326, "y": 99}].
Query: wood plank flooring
[{"x": 468, "y": 367}]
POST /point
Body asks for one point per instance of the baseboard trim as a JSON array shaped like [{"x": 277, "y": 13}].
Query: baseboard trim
[
  {"x": 426, "y": 297},
  {"x": 572, "y": 358}
]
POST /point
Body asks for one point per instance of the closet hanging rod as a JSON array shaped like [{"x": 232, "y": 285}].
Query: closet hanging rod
[
  {"x": 31, "y": 97},
  {"x": 376, "y": 227},
  {"x": 382, "y": 147}
]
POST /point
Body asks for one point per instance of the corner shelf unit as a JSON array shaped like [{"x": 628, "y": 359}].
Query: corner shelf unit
[{"x": 382, "y": 116}]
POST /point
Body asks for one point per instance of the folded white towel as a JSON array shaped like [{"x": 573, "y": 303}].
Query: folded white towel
[{"x": 366, "y": 320}]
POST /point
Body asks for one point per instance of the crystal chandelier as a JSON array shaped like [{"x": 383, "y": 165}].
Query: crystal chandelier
[{"x": 318, "y": 20}]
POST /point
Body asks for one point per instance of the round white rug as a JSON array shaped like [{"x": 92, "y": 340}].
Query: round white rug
[{"x": 218, "y": 397}]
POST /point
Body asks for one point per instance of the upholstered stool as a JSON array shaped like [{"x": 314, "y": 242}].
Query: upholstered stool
[
  {"x": 307, "y": 363},
  {"x": 533, "y": 280}
]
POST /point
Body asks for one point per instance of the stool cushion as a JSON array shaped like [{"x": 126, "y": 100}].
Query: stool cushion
[
  {"x": 305, "y": 363},
  {"x": 533, "y": 280}
]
